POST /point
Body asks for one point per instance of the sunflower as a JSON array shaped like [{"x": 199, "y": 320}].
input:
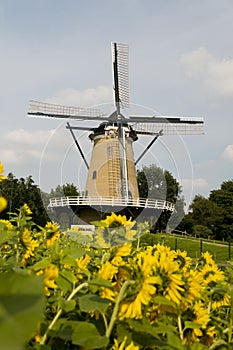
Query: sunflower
[
  {"x": 108, "y": 272},
  {"x": 114, "y": 231},
  {"x": 7, "y": 224},
  {"x": 114, "y": 220},
  {"x": 122, "y": 346},
  {"x": 29, "y": 243},
  {"x": 211, "y": 274},
  {"x": 82, "y": 264},
  {"x": 51, "y": 273},
  {"x": 51, "y": 232},
  {"x": 163, "y": 249},
  {"x": 3, "y": 204},
  {"x": 168, "y": 269},
  {"x": 2, "y": 177},
  {"x": 193, "y": 286},
  {"x": 220, "y": 298},
  {"x": 26, "y": 209},
  {"x": 144, "y": 288},
  {"x": 201, "y": 317},
  {"x": 206, "y": 257},
  {"x": 121, "y": 251},
  {"x": 183, "y": 260},
  {"x": 133, "y": 309}
]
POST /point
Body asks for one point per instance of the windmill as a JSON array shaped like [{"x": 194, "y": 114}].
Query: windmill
[{"x": 111, "y": 182}]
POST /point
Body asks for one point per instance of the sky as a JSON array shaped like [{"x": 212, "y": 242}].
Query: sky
[{"x": 181, "y": 63}]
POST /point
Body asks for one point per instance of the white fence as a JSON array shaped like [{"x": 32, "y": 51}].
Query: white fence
[{"x": 110, "y": 201}]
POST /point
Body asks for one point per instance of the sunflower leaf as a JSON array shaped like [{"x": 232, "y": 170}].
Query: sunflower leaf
[
  {"x": 92, "y": 302},
  {"x": 86, "y": 335}
]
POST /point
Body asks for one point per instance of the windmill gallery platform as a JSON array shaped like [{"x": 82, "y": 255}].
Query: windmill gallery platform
[
  {"x": 89, "y": 209},
  {"x": 111, "y": 184}
]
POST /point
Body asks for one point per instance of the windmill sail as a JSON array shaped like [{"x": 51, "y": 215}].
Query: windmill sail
[
  {"x": 43, "y": 109},
  {"x": 170, "y": 126},
  {"x": 120, "y": 56},
  {"x": 112, "y": 179}
]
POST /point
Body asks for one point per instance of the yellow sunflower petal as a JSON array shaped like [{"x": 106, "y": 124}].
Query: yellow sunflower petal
[{"x": 3, "y": 203}]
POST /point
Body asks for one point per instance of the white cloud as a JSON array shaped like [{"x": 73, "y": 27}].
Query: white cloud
[
  {"x": 196, "y": 184},
  {"x": 20, "y": 157},
  {"x": 227, "y": 154},
  {"x": 24, "y": 147},
  {"x": 206, "y": 165},
  {"x": 21, "y": 147},
  {"x": 216, "y": 74},
  {"x": 47, "y": 152},
  {"x": 25, "y": 137},
  {"x": 79, "y": 98},
  {"x": 191, "y": 187}
]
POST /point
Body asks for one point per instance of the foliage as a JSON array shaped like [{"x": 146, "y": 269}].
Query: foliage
[
  {"x": 20, "y": 191},
  {"x": 71, "y": 291},
  {"x": 122, "y": 297},
  {"x": 60, "y": 191},
  {"x": 206, "y": 213},
  {"x": 215, "y": 213},
  {"x": 221, "y": 251},
  {"x": 224, "y": 199},
  {"x": 22, "y": 305},
  {"x": 154, "y": 182},
  {"x": 202, "y": 231},
  {"x": 64, "y": 190}
]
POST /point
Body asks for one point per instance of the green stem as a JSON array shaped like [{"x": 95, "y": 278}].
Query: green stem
[
  {"x": 230, "y": 328},
  {"x": 231, "y": 319},
  {"x": 116, "y": 307},
  {"x": 17, "y": 248},
  {"x": 105, "y": 320},
  {"x": 180, "y": 328},
  {"x": 138, "y": 242},
  {"x": 59, "y": 311},
  {"x": 209, "y": 307}
]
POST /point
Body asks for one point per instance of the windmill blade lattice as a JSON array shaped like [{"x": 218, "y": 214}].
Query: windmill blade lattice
[
  {"x": 143, "y": 125},
  {"x": 111, "y": 182},
  {"x": 190, "y": 126},
  {"x": 120, "y": 57},
  {"x": 43, "y": 109}
]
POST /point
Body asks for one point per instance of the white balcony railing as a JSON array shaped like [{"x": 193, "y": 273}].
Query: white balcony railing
[{"x": 110, "y": 201}]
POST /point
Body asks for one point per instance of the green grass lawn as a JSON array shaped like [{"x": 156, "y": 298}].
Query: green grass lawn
[{"x": 193, "y": 246}]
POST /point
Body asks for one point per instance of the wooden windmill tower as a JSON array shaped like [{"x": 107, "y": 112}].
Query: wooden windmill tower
[{"x": 111, "y": 182}]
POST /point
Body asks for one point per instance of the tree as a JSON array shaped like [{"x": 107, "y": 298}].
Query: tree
[
  {"x": 64, "y": 215},
  {"x": 201, "y": 231},
  {"x": 214, "y": 213},
  {"x": 206, "y": 214},
  {"x": 223, "y": 198},
  {"x": 70, "y": 190},
  {"x": 64, "y": 191},
  {"x": 154, "y": 182},
  {"x": 20, "y": 191},
  {"x": 187, "y": 224}
]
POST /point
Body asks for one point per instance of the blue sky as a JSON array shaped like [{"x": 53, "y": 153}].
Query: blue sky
[{"x": 181, "y": 63}]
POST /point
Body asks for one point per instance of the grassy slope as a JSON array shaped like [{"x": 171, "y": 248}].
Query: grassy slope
[{"x": 219, "y": 250}]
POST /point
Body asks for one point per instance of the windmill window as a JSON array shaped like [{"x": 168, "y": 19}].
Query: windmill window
[
  {"x": 109, "y": 151},
  {"x": 94, "y": 175}
]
